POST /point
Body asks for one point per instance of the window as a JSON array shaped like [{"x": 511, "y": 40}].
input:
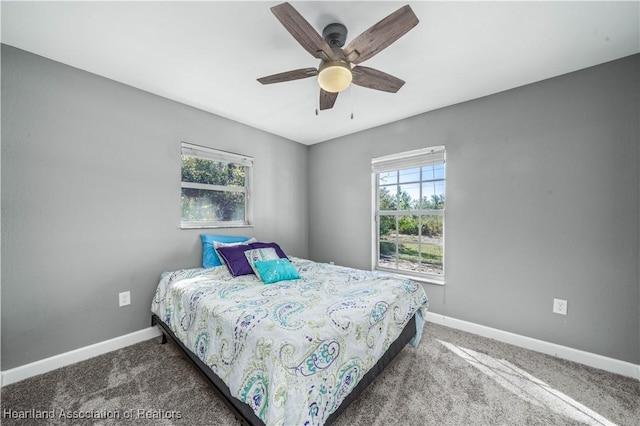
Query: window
[
  {"x": 216, "y": 188},
  {"x": 409, "y": 213}
]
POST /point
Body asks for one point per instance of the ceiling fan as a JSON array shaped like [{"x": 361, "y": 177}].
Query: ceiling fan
[{"x": 335, "y": 72}]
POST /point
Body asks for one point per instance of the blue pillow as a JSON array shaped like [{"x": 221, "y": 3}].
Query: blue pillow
[
  {"x": 209, "y": 257},
  {"x": 272, "y": 271}
]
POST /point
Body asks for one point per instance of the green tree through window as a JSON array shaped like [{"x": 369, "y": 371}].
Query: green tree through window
[
  {"x": 410, "y": 212},
  {"x": 215, "y": 187}
]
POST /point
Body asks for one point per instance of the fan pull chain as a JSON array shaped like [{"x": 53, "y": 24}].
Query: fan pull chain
[{"x": 351, "y": 96}]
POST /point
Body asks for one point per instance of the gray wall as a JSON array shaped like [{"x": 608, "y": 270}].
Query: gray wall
[
  {"x": 91, "y": 202},
  {"x": 542, "y": 202}
]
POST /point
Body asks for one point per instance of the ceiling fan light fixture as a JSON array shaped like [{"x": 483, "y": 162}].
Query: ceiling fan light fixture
[{"x": 334, "y": 76}]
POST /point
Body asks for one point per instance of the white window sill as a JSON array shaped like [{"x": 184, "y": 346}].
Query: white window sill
[
  {"x": 214, "y": 226},
  {"x": 421, "y": 279}
]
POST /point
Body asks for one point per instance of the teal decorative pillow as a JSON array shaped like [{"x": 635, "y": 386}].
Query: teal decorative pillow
[
  {"x": 255, "y": 255},
  {"x": 272, "y": 271}
]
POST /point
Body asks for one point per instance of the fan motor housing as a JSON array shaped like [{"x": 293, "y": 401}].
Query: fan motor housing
[{"x": 335, "y": 34}]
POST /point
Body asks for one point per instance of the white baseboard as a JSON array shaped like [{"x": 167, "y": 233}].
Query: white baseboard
[
  {"x": 593, "y": 360},
  {"x": 587, "y": 358},
  {"x": 48, "y": 364}
]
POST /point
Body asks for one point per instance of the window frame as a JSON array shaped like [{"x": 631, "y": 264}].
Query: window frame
[
  {"x": 402, "y": 161},
  {"x": 206, "y": 153}
]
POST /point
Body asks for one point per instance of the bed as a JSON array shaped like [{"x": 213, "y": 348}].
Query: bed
[{"x": 292, "y": 352}]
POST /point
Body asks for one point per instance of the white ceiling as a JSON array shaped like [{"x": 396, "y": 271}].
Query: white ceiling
[{"x": 209, "y": 54}]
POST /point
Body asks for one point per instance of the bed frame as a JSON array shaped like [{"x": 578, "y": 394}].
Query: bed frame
[{"x": 243, "y": 413}]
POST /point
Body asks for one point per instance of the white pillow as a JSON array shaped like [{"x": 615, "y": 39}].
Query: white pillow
[{"x": 267, "y": 253}]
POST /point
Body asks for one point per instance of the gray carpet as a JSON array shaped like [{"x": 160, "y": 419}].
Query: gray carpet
[{"x": 431, "y": 385}]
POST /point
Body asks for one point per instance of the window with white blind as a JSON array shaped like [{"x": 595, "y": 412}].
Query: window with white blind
[
  {"x": 409, "y": 213},
  {"x": 216, "y": 188}
]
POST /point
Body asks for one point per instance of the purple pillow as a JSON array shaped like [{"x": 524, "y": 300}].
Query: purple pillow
[
  {"x": 234, "y": 258},
  {"x": 237, "y": 262}
]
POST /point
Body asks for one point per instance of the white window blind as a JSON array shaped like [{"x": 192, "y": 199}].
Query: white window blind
[
  {"x": 189, "y": 150},
  {"x": 406, "y": 160}
]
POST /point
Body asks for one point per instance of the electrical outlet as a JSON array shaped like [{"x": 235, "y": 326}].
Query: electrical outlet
[
  {"x": 560, "y": 306},
  {"x": 125, "y": 298}
]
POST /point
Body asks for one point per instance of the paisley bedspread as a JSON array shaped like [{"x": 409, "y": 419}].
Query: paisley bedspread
[{"x": 292, "y": 350}]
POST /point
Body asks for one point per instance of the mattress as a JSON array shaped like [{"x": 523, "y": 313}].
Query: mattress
[{"x": 293, "y": 350}]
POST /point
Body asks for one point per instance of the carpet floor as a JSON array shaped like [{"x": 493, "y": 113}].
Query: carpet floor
[{"x": 452, "y": 378}]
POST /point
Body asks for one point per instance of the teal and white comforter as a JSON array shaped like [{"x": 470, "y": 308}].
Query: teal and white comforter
[{"x": 292, "y": 350}]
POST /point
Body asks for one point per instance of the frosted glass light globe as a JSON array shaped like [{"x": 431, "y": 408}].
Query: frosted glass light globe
[{"x": 334, "y": 76}]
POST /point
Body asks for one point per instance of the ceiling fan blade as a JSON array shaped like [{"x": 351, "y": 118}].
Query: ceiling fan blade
[
  {"x": 327, "y": 99},
  {"x": 375, "y": 39},
  {"x": 302, "y": 31},
  {"x": 289, "y": 75},
  {"x": 374, "y": 79}
]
